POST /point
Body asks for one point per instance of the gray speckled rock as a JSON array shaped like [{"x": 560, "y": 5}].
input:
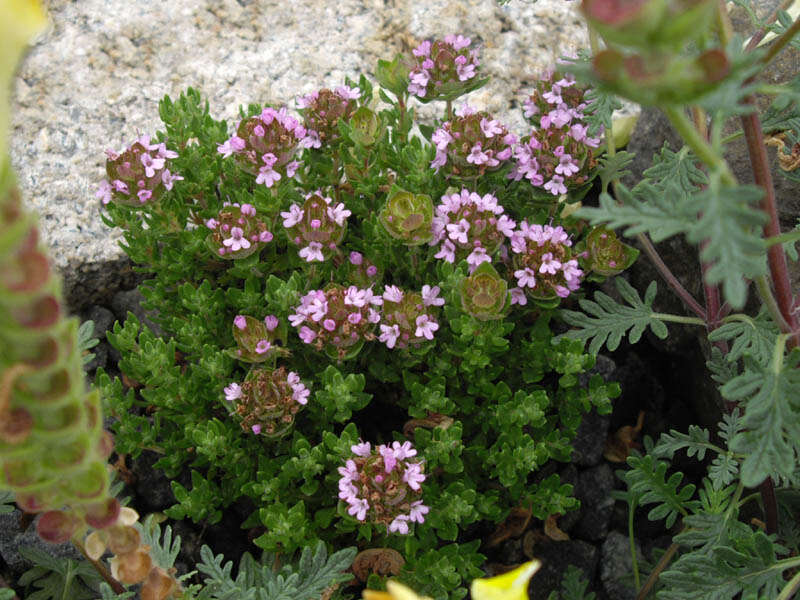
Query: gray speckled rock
[{"x": 95, "y": 79}]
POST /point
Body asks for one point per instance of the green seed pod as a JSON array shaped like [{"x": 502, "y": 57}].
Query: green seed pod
[
  {"x": 484, "y": 294},
  {"x": 408, "y": 217}
]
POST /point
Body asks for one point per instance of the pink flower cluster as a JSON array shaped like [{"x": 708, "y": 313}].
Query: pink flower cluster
[
  {"x": 322, "y": 110},
  {"x": 558, "y": 154},
  {"x": 381, "y": 485},
  {"x": 543, "y": 263},
  {"x": 265, "y": 145},
  {"x": 318, "y": 226},
  {"x": 235, "y": 231},
  {"x": 442, "y": 68},
  {"x": 337, "y": 317},
  {"x": 268, "y": 400},
  {"x": 137, "y": 175},
  {"x": 472, "y": 144},
  {"x": 409, "y": 317},
  {"x": 468, "y": 225}
]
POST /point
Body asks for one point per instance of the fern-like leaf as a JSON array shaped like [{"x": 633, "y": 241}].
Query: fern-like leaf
[
  {"x": 696, "y": 442},
  {"x": 754, "y": 337},
  {"x": 574, "y": 584},
  {"x": 771, "y": 422},
  {"x": 163, "y": 552},
  {"x": 679, "y": 168},
  {"x": 734, "y": 247},
  {"x": 606, "y": 322},
  {"x": 647, "y": 478},
  {"x": 58, "y": 578},
  {"x": 614, "y": 167}
]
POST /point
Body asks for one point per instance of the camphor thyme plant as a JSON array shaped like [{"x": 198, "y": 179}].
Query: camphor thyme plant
[
  {"x": 682, "y": 58},
  {"x": 356, "y": 311}
]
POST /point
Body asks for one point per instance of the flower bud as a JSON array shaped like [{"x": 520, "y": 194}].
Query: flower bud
[
  {"x": 268, "y": 401},
  {"x": 317, "y": 227},
  {"x": 484, "y": 294},
  {"x": 407, "y": 217},
  {"x": 255, "y": 342},
  {"x": 444, "y": 69},
  {"x": 236, "y": 232},
  {"x": 409, "y": 318},
  {"x": 322, "y": 111}
]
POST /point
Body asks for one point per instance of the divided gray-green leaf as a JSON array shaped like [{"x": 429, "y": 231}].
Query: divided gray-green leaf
[
  {"x": 614, "y": 167},
  {"x": 605, "y": 321},
  {"x": 771, "y": 424},
  {"x": 754, "y": 337},
  {"x": 661, "y": 213},
  {"x": 678, "y": 168},
  {"x": 647, "y": 479},
  {"x": 730, "y": 227},
  {"x": 696, "y": 442}
]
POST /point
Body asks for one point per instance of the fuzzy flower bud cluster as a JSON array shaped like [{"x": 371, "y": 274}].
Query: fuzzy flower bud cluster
[
  {"x": 558, "y": 155},
  {"x": 383, "y": 487},
  {"x": 472, "y": 144},
  {"x": 362, "y": 271},
  {"x": 268, "y": 400},
  {"x": 256, "y": 340},
  {"x": 323, "y": 109},
  {"x": 443, "y": 70},
  {"x": 317, "y": 226},
  {"x": 338, "y": 319},
  {"x": 265, "y": 145},
  {"x": 409, "y": 317},
  {"x": 137, "y": 175},
  {"x": 236, "y": 232},
  {"x": 543, "y": 263},
  {"x": 468, "y": 225}
]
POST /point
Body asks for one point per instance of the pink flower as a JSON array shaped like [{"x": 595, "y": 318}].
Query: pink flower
[
  {"x": 300, "y": 394},
  {"x": 556, "y": 185},
  {"x": 262, "y": 346},
  {"x": 267, "y": 176},
  {"x": 358, "y": 508},
  {"x": 237, "y": 241},
  {"x": 104, "y": 192},
  {"x": 293, "y": 216},
  {"x": 329, "y": 324},
  {"x": 338, "y": 213},
  {"x": 271, "y": 321},
  {"x": 306, "y": 334},
  {"x": 233, "y": 392},
  {"x": 399, "y": 525},
  {"x": 477, "y": 156},
  {"x": 571, "y": 270},
  {"x": 447, "y": 252},
  {"x": 417, "y": 511},
  {"x": 256, "y": 428},
  {"x": 348, "y": 93},
  {"x": 151, "y": 164},
  {"x": 360, "y": 449},
  {"x": 424, "y": 49},
  {"x": 356, "y": 258},
  {"x": 144, "y": 195},
  {"x": 389, "y": 335},
  {"x": 490, "y": 128},
  {"x": 234, "y": 144},
  {"x": 476, "y": 257},
  {"x": 549, "y": 264},
  {"x": 430, "y": 296},
  {"x": 168, "y": 179},
  {"x": 404, "y": 450},
  {"x": 457, "y": 41},
  {"x": 518, "y": 296},
  {"x": 465, "y": 72},
  {"x": 458, "y": 231},
  {"x": 525, "y": 278},
  {"x": 240, "y": 322},
  {"x": 413, "y": 475},
  {"x": 425, "y": 327},
  {"x": 441, "y": 137},
  {"x": 389, "y": 459},
  {"x": 392, "y": 293},
  {"x": 312, "y": 252}
]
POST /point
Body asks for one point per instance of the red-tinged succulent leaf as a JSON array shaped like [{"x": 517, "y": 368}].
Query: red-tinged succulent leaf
[
  {"x": 57, "y": 526},
  {"x": 103, "y": 514}
]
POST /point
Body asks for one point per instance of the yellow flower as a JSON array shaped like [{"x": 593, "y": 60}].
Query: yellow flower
[
  {"x": 20, "y": 20},
  {"x": 508, "y": 586},
  {"x": 395, "y": 591}
]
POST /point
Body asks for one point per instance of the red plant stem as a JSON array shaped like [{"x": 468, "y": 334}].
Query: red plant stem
[
  {"x": 670, "y": 278},
  {"x": 775, "y": 256},
  {"x": 759, "y": 35}
]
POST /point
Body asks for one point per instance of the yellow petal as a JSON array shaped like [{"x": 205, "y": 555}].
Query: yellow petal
[
  {"x": 398, "y": 591},
  {"x": 508, "y": 586}
]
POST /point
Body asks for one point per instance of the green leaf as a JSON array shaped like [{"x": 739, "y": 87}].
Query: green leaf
[
  {"x": 771, "y": 424},
  {"x": 679, "y": 168},
  {"x": 647, "y": 478},
  {"x": 661, "y": 213},
  {"x": 696, "y": 442},
  {"x": 752, "y": 336},
  {"x": 730, "y": 227},
  {"x": 606, "y": 322},
  {"x": 614, "y": 167},
  {"x": 57, "y": 577}
]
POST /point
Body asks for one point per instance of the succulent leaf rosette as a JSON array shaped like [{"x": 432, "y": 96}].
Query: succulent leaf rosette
[
  {"x": 265, "y": 145},
  {"x": 468, "y": 225},
  {"x": 268, "y": 400},
  {"x": 558, "y": 156},
  {"x": 137, "y": 175},
  {"x": 318, "y": 226},
  {"x": 409, "y": 318},
  {"x": 236, "y": 232},
  {"x": 322, "y": 110},
  {"x": 444, "y": 69},
  {"x": 472, "y": 144},
  {"x": 337, "y": 319},
  {"x": 542, "y": 262},
  {"x": 606, "y": 255},
  {"x": 383, "y": 486},
  {"x": 407, "y": 217}
]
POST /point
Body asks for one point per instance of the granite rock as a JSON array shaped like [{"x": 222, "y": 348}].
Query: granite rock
[{"x": 94, "y": 79}]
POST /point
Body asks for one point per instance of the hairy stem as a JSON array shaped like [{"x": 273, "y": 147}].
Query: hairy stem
[
  {"x": 657, "y": 570},
  {"x": 670, "y": 278},
  {"x": 698, "y": 144},
  {"x": 780, "y": 43},
  {"x": 100, "y": 568},
  {"x": 631, "y": 539},
  {"x": 759, "y": 35}
]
